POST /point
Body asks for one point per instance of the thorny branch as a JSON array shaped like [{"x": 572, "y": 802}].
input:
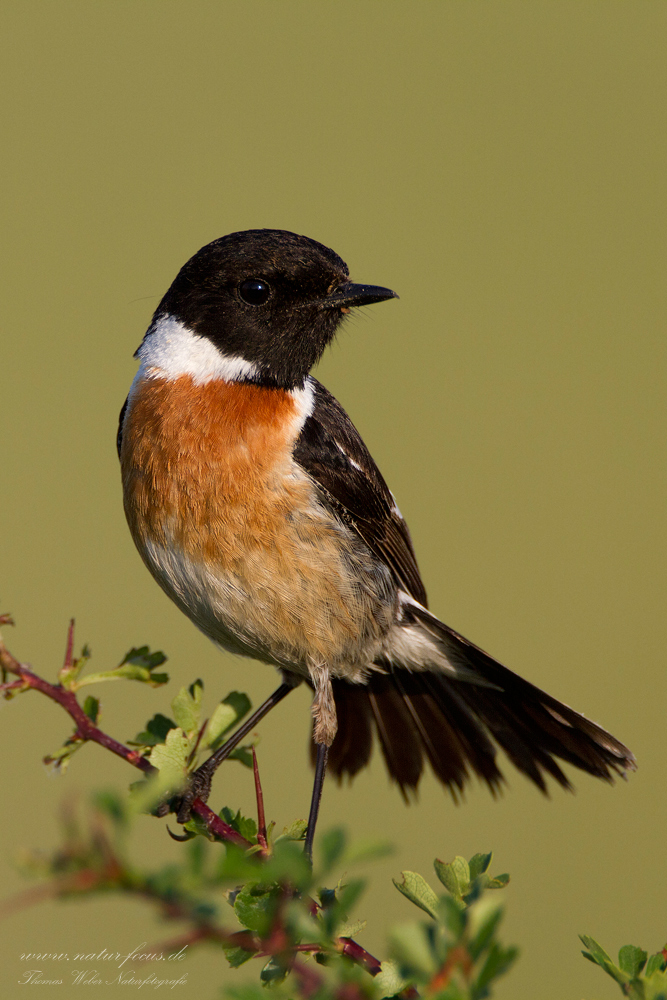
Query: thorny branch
[{"x": 113, "y": 874}]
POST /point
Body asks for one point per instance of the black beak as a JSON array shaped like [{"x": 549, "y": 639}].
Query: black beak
[{"x": 350, "y": 294}]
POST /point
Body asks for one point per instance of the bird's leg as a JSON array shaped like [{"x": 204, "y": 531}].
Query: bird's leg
[
  {"x": 199, "y": 785},
  {"x": 320, "y": 771},
  {"x": 324, "y": 731}
]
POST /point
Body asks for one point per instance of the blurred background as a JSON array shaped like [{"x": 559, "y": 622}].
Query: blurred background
[{"x": 502, "y": 166}]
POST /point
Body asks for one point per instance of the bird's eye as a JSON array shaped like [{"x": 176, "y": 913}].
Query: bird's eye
[{"x": 254, "y": 291}]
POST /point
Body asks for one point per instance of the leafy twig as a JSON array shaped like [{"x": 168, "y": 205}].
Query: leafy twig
[{"x": 87, "y": 731}]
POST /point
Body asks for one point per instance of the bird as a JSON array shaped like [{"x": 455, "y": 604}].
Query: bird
[{"x": 257, "y": 507}]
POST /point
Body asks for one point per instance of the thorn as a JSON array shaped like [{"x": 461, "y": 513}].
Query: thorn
[
  {"x": 261, "y": 819},
  {"x": 193, "y": 752},
  {"x": 179, "y": 837},
  {"x": 69, "y": 646},
  {"x": 6, "y": 620}
]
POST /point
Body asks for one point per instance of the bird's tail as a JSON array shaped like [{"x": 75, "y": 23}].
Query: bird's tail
[{"x": 457, "y": 725}]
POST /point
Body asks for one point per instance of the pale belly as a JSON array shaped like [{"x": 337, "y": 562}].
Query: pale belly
[{"x": 299, "y": 596}]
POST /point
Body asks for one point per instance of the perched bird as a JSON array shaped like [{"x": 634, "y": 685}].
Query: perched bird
[{"x": 257, "y": 507}]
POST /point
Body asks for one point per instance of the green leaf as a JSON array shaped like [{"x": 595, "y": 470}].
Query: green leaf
[
  {"x": 297, "y": 831},
  {"x": 234, "y": 866},
  {"x": 419, "y": 892},
  {"x": 243, "y": 755},
  {"x": 453, "y": 914},
  {"x": 196, "y": 857},
  {"x": 59, "y": 761},
  {"x": 91, "y": 707},
  {"x": 484, "y": 917},
  {"x": 389, "y": 980},
  {"x": 632, "y": 960},
  {"x": 240, "y": 702},
  {"x": 497, "y": 963},
  {"x": 301, "y": 924},
  {"x": 137, "y": 665},
  {"x": 155, "y": 732},
  {"x": 447, "y": 876},
  {"x": 479, "y": 864},
  {"x": 498, "y": 881},
  {"x": 288, "y": 863},
  {"x": 347, "y": 894},
  {"x": 352, "y": 929},
  {"x": 221, "y": 720},
  {"x": 462, "y": 869},
  {"x": 597, "y": 952},
  {"x": 225, "y": 715},
  {"x": 273, "y": 972},
  {"x": 244, "y": 825},
  {"x": 256, "y": 906},
  {"x": 336, "y": 905},
  {"x": 186, "y": 707},
  {"x": 142, "y": 657},
  {"x": 197, "y": 827},
  {"x": 331, "y": 846},
  {"x": 410, "y": 945},
  {"x": 129, "y": 673},
  {"x": 68, "y": 675},
  {"x": 599, "y": 956},
  {"x": 157, "y": 680},
  {"x": 655, "y": 963},
  {"x": 237, "y": 956},
  {"x": 172, "y": 756},
  {"x": 455, "y": 876},
  {"x": 655, "y": 986}
]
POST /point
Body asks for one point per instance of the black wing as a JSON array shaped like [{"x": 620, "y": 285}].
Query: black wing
[
  {"x": 119, "y": 435},
  {"x": 331, "y": 451}
]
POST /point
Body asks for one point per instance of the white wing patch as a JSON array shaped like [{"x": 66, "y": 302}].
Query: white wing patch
[
  {"x": 414, "y": 647},
  {"x": 395, "y": 508}
]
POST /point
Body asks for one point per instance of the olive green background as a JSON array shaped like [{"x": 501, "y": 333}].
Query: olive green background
[{"x": 502, "y": 166}]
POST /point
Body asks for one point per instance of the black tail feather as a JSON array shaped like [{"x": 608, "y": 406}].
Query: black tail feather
[
  {"x": 455, "y": 724},
  {"x": 403, "y": 756}
]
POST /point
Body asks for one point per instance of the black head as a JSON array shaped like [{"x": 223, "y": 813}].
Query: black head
[{"x": 268, "y": 296}]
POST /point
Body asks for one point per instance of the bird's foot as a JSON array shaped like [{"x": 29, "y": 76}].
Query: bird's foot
[
  {"x": 198, "y": 787},
  {"x": 199, "y": 782}
]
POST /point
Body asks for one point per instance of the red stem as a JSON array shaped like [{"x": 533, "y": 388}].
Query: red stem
[
  {"x": 85, "y": 729},
  {"x": 261, "y": 818},
  {"x": 360, "y": 955},
  {"x": 218, "y": 826},
  {"x": 11, "y": 686}
]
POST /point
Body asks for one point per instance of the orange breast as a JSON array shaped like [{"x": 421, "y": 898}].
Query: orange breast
[
  {"x": 232, "y": 530},
  {"x": 195, "y": 457}
]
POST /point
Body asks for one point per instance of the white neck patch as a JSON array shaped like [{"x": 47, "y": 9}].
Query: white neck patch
[
  {"x": 305, "y": 400},
  {"x": 170, "y": 350}
]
